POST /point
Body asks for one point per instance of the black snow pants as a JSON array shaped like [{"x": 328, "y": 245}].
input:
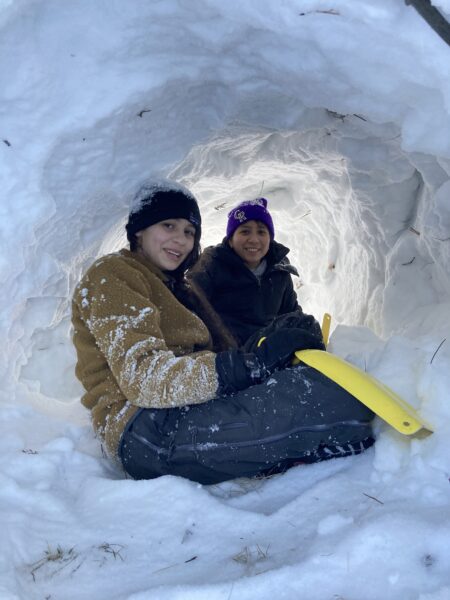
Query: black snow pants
[{"x": 296, "y": 416}]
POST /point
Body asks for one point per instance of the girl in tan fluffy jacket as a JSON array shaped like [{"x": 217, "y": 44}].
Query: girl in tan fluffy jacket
[{"x": 168, "y": 393}]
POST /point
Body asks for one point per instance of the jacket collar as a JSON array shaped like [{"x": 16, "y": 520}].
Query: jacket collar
[
  {"x": 276, "y": 257},
  {"x": 148, "y": 264}
]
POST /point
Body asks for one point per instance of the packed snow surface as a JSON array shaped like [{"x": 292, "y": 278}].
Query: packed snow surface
[{"x": 339, "y": 114}]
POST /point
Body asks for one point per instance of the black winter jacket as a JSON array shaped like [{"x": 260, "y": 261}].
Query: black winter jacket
[{"x": 244, "y": 302}]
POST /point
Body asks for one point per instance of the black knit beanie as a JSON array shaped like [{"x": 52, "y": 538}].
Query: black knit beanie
[{"x": 153, "y": 204}]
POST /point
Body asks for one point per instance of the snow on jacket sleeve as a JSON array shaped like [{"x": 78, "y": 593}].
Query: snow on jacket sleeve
[{"x": 120, "y": 307}]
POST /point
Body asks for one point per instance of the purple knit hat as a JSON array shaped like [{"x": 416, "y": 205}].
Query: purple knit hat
[{"x": 250, "y": 210}]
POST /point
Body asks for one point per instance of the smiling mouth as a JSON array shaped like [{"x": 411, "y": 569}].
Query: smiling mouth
[{"x": 173, "y": 253}]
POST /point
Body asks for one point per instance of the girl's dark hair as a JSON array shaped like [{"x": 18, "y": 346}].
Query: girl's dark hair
[
  {"x": 133, "y": 242},
  {"x": 193, "y": 298}
]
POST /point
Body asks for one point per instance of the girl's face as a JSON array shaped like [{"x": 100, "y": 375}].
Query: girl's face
[
  {"x": 251, "y": 242},
  {"x": 167, "y": 243}
]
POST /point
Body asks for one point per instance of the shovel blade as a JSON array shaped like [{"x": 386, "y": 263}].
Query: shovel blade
[{"x": 383, "y": 401}]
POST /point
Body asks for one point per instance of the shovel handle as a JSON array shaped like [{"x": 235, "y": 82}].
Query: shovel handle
[{"x": 326, "y": 322}]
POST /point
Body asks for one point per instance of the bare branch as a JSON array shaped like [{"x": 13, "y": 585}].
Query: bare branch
[
  {"x": 373, "y": 498},
  {"x": 437, "y": 350}
]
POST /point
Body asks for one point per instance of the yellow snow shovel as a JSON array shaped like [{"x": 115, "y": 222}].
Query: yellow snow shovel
[
  {"x": 326, "y": 322},
  {"x": 378, "y": 397}
]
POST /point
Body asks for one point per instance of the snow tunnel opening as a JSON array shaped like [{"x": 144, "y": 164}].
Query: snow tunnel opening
[
  {"x": 324, "y": 185},
  {"x": 346, "y": 199}
]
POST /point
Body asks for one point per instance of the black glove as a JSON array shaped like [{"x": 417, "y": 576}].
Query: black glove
[
  {"x": 293, "y": 320},
  {"x": 299, "y": 320},
  {"x": 237, "y": 370},
  {"x": 277, "y": 349}
]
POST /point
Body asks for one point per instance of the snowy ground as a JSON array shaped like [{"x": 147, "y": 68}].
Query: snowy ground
[{"x": 339, "y": 112}]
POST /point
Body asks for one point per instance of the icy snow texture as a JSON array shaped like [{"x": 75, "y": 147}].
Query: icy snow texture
[{"x": 339, "y": 114}]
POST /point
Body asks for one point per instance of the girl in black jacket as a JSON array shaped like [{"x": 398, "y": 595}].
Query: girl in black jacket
[{"x": 247, "y": 278}]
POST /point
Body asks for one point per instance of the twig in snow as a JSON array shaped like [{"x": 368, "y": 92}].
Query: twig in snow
[
  {"x": 60, "y": 555},
  {"x": 359, "y": 117},
  {"x": 113, "y": 549},
  {"x": 335, "y": 114},
  {"x": 414, "y": 230},
  {"x": 409, "y": 262},
  {"x": 437, "y": 350},
  {"x": 428, "y": 560},
  {"x": 231, "y": 591},
  {"x": 329, "y": 11},
  {"x": 373, "y": 498},
  {"x": 294, "y": 526},
  {"x": 191, "y": 559},
  {"x": 7, "y": 143},
  {"x": 262, "y": 187},
  {"x": 79, "y": 565},
  {"x": 219, "y": 206},
  {"x": 251, "y": 555},
  {"x": 175, "y": 565},
  {"x": 142, "y": 112},
  {"x": 186, "y": 535}
]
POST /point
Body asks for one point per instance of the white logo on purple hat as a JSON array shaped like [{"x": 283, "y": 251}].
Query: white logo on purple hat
[{"x": 240, "y": 216}]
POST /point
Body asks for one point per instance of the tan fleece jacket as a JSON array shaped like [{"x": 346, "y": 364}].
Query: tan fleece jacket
[{"x": 137, "y": 345}]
